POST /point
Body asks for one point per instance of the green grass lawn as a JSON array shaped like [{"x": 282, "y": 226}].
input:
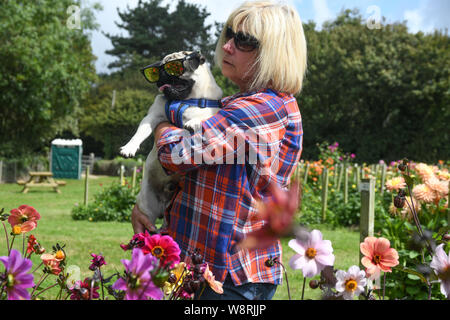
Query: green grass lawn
[{"x": 83, "y": 237}]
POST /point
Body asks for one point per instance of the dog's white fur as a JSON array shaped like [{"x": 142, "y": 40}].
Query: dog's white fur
[{"x": 155, "y": 192}]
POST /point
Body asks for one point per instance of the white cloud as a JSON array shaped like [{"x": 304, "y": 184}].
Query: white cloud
[
  {"x": 431, "y": 15},
  {"x": 322, "y": 12}
]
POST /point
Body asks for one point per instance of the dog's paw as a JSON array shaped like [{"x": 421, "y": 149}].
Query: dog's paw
[
  {"x": 128, "y": 150},
  {"x": 193, "y": 125}
]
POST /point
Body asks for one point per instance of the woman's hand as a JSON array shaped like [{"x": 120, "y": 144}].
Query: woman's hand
[
  {"x": 140, "y": 222},
  {"x": 160, "y": 128}
]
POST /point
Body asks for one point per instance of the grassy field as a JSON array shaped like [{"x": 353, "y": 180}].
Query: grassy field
[{"x": 83, "y": 237}]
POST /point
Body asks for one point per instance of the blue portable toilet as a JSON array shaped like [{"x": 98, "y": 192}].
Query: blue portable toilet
[{"x": 65, "y": 159}]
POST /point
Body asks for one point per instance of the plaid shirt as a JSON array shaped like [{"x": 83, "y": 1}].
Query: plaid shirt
[{"x": 254, "y": 139}]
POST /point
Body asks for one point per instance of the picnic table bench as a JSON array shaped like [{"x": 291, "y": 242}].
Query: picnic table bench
[{"x": 41, "y": 179}]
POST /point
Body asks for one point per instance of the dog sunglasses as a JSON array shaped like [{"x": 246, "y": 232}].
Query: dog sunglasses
[
  {"x": 243, "y": 42},
  {"x": 173, "y": 68}
]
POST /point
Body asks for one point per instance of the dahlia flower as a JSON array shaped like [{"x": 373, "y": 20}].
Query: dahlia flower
[
  {"x": 277, "y": 213},
  {"x": 424, "y": 171},
  {"x": 378, "y": 256},
  {"x": 396, "y": 184},
  {"x": 51, "y": 263},
  {"x": 441, "y": 266},
  {"x": 176, "y": 278},
  {"x": 97, "y": 261},
  {"x": 82, "y": 290},
  {"x": 313, "y": 254},
  {"x": 439, "y": 187},
  {"x": 410, "y": 204},
  {"x": 162, "y": 247},
  {"x": 137, "y": 281},
  {"x": 16, "y": 276},
  {"x": 25, "y": 217},
  {"x": 351, "y": 283},
  {"x": 215, "y": 285},
  {"x": 423, "y": 192},
  {"x": 138, "y": 241}
]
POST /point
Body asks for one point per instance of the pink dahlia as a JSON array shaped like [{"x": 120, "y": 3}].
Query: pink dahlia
[
  {"x": 441, "y": 266},
  {"x": 162, "y": 247},
  {"x": 313, "y": 254},
  {"x": 137, "y": 282},
  {"x": 82, "y": 290},
  {"x": 24, "y": 216},
  {"x": 378, "y": 256},
  {"x": 16, "y": 277},
  {"x": 138, "y": 241}
]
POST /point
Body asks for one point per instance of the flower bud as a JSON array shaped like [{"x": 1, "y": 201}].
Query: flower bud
[
  {"x": 314, "y": 284},
  {"x": 399, "y": 202}
]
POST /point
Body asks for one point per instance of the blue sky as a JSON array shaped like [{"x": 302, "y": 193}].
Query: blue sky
[{"x": 420, "y": 15}]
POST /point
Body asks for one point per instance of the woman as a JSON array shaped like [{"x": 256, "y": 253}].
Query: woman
[{"x": 254, "y": 140}]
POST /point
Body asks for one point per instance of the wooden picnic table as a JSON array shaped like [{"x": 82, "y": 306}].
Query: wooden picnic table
[{"x": 41, "y": 179}]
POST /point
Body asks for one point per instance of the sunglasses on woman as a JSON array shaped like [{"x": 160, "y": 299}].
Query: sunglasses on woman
[
  {"x": 173, "y": 68},
  {"x": 243, "y": 42}
]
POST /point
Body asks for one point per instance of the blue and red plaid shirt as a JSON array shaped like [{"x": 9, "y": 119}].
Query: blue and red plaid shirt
[{"x": 254, "y": 139}]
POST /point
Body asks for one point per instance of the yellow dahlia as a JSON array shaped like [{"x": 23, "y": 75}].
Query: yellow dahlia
[{"x": 410, "y": 203}]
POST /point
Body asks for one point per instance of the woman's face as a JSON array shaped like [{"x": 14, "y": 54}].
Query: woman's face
[{"x": 236, "y": 65}]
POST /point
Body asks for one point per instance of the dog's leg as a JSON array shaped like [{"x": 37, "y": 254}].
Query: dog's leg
[
  {"x": 193, "y": 116},
  {"x": 156, "y": 114}
]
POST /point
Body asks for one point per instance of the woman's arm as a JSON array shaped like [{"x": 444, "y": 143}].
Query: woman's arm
[{"x": 248, "y": 130}]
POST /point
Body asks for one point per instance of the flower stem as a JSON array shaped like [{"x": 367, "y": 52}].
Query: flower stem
[
  {"x": 101, "y": 282},
  {"x": 23, "y": 244},
  {"x": 42, "y": 262},
  {"x": 201, "y": 292},
  {"x": 303, "y": 290},
  {"x": 7, "y": 239},
  {"x": 287, "y": 281},
  {"x": 12, "y": 242},
  {"x": 43, "y": 277},
  {"x": 384, "y": 284},
  {"x": 53, "y": 285}
]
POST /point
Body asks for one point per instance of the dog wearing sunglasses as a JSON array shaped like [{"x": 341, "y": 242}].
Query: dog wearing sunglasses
[{"x": 179, "y": 76}]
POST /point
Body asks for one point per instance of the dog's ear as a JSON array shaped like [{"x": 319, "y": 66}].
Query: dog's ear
[
  {"x": 196, "y": 60},
  {"x": 202, "y": 59}
]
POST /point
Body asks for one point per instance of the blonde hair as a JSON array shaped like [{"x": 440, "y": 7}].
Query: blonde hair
[{"x": 282, "y": 57}]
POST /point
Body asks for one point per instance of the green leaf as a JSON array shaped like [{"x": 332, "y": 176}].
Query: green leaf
[{"x": 412, "y": 272}]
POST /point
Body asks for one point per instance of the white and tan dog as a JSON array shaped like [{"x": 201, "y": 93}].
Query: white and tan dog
[{"x": 197, "y": 82}]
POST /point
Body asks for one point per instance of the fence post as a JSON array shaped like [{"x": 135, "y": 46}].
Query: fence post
[
  {"x": 345, "y": 169},
  {"x": 324, "y": 193},
  {"x": 383, "y": 178},
  {"x": 366, "y": 221},
  {"x": 122, "y": 169},
  {"x": 305, "y": 178},
  {"x": 342, "y": 167},
  {"x": 357, "y": 176},
  {"x": 86, "y": 186},
  {"x": 133, "y": 181}
]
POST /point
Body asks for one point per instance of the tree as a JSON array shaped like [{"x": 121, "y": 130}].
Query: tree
[
  {"x": 45, "y": 71},
  {"x": 153, "y": 32},
  {"x": 381, "y": 93}
]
